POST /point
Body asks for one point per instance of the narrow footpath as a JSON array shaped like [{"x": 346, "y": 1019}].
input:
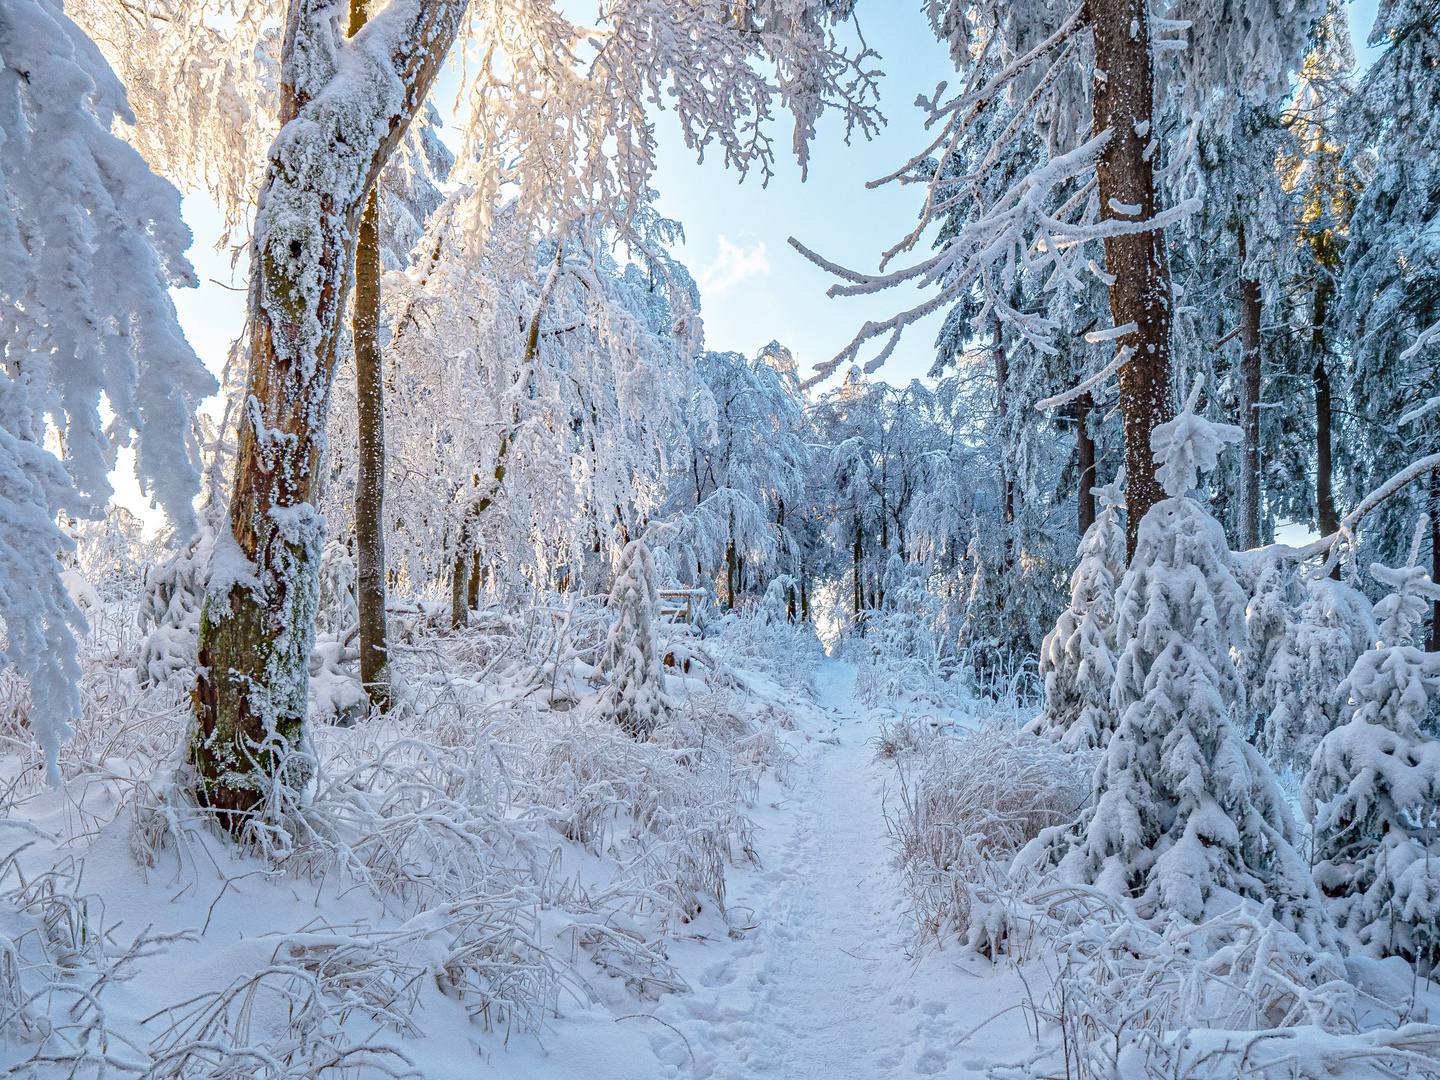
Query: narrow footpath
[{"x": 822, "y": 987}]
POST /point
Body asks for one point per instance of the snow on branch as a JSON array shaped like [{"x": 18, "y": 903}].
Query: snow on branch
[{"x": 1098, "y": 379}]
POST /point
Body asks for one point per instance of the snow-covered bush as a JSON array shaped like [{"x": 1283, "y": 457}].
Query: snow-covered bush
[
  {"x": 968, "y": 803},
  {"x": 1373, "y": 791},
  {"x": 170, "y": 605},
  {"x": 900, "y": 654},
  {"x": 1235, "y": 995},
  {"x": 634, "y": 697},
  {"x": 1188, "y": 818},
  {"x": 1329, "y": 632},
  {"x": 761, "y": 639},
  {"x": 1077, "y": 659}
]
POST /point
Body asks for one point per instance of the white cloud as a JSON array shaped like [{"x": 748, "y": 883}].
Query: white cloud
[{"x": 732, "y": 265}]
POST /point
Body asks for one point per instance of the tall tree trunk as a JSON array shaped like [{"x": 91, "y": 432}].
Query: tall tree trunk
[
  {"x": 857, "y": 555},
  {"x": 459, "y": 612},
  {"x": 1329, "y": 520},
  {"x": 1433, "y": 644},
  {"x": 1124, "y": 103},
  {"x": 258, "y": 622},
  {"x": 370, "y": 414},
  {"x": 472, "y": 590},
  {"x": 732, "y": 570},
  {"x": 1085, "y": 451},
  {"x": 1007, "y": 481},
  {"x": 1249, "y": 404}
]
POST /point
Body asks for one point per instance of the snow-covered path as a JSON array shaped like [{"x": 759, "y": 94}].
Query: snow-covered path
[{"x": 821, "y": 987}]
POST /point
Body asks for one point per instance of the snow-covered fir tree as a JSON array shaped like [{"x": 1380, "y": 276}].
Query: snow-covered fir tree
[
  {"x": 1373, "y": 790},
  {"x": 1188, "y": 817},
  {"x": 634, "y": 696},
  {"x": 1077, "y": 660},
  {"x": 1391, "y": 276},
  {"x": 1331, "y": 628}
]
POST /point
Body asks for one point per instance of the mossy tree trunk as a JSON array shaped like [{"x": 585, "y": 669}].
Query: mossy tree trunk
[{"x": 258, "y": 623}]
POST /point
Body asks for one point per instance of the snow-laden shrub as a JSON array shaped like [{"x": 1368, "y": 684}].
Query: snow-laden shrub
[
  {"x": 634, "y": 697},
  {"x": 762, "y": 639},
  {"x": 1077, "y": 659},
  {"x": 171, "y": 603},
  {"x": 1188, "y": 818},
  {"x": 900, "y": 654},
  {"x": 968, "y": 803},
  {"x": 1373, "y": 791},
  {"x": 1234, "y": 995},
  {"x": 1329, "y": 632}
]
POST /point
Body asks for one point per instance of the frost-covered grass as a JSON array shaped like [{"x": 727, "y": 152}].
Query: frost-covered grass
[
  {"x": 967, "y": 803},
  {"x": 1109, "y": 993},
  {"x": 489, "y": 854}
]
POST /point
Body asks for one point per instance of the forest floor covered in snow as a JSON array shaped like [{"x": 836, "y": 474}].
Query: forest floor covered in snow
[{"x": 784, "y": 881}]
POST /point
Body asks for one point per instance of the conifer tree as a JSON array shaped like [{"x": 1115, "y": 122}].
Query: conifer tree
[
  {"x": 1188, "y": 817},
  {"x": 1373, "y": 791},
  {"x": 634, "y": 697},
  {"x": 1331, "y": 629},
  {"x": 1077, "y": 660}
]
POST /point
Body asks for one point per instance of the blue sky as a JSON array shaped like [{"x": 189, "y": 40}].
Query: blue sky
[{"x": 755, "y": 287}]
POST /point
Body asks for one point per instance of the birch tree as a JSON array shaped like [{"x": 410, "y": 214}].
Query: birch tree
[{"x": 572, "y": 135}]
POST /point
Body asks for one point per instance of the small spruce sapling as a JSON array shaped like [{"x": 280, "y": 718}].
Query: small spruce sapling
[
  {"x": 634, "y": 697},
  {"x": 1374, "y": 783},
  {"x": 1188, "y": 818},
  {"x": 1077, "y": 659},
  {"x": 1331, "y": 630}
]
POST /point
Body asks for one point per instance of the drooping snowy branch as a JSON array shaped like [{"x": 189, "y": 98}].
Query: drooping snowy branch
[{"x": 90, "y": 242}]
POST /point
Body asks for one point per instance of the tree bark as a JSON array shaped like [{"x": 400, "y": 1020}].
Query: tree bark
[
  {"x": 1085, "y": 451},
  {"x": 1007, "y": 481},
  {"x": 370, "y": 487},
  {"x": 1433, "y": 643},
  {"x": 1249, "y": 404},
  {"x": 1124, "y": 104},
  {"x": 258, "y": 622},
  {"x": 1329, "y": 520},
  {"x": 858, "y": 554}
]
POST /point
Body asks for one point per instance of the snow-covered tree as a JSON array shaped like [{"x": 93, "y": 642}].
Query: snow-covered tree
[
  {"x": 571, "y": 136},
  {"x": 741, "y": 471},
  {"x": 536, "y": 393},
  {"x": 1107, "y": 98},
  {"x": 634, "y": 697},
  {"x": 1391, "y": 285},
  {"x": 1077, "y": 660},
  {"x": 1373, "y": 791},
  {"x": 1188, "y": 818},
  {"x": 90, "y": 242},
  {"x": 1332, "y": 627}
]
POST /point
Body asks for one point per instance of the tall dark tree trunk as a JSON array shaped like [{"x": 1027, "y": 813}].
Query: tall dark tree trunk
[
  {"x": 857, "y": 555},
  {"x": 1329, "y": 520},
  {"x": 1249, "y": 404},
  {"x": 1007, "y": 481},
  {"x": 1124, "y": 104},
  {"x": 1085, "y": 451},
  {"x": 472, "y": 591},
  {"x": 370, "y": 414},
  {"x": 732, "y": 568},
  {"x": 459, "y": 613},
  {"x": 1433, "y": 644},
  {"x": 258, "y": 622}
]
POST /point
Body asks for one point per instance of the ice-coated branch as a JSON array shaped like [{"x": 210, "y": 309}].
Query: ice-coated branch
[{"x": 1098, "y": 379}]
